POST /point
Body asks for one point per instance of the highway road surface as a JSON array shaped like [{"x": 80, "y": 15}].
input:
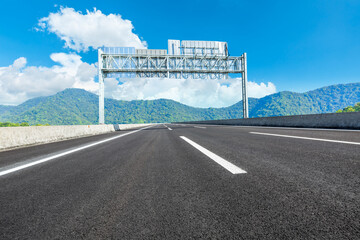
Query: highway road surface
[{"x": 174, "y": 181}]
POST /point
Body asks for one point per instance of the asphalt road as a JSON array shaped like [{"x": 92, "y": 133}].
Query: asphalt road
[{"x": 177, "y": 182}]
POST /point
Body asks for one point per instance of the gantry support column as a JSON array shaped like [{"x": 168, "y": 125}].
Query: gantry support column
[
  {"x": 244, "y": 88},
  {"x": 101, "y": 89}
]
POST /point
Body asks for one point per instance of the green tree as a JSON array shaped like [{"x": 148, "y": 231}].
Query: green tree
[{"x": 355, "y": 108}]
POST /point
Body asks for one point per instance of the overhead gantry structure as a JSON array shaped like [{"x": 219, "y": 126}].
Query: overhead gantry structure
[{"x": 185, "y": 59}]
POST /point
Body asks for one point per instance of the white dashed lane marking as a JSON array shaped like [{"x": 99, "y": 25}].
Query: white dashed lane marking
[{"x": 222, "y": 162}]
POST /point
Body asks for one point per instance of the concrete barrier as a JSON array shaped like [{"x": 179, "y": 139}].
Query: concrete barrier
[
  {"x": 327, "y": 120},
  {"x": 11, "y": 137}
]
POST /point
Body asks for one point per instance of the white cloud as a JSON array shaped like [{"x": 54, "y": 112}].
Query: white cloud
[
  {"x": 19, "y": 82},
  {"x": 193, "y": 92},
  {"x": 93, "y": 29},
  {"x": 19, "y": 63},
  {"x": 260, "y": 90}
]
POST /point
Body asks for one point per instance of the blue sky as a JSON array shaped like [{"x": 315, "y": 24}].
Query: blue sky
[{"x": 295, "y": 45}]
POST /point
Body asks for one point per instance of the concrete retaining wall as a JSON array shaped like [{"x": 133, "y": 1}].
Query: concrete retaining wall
[
  {"x": 11, "y": 137},
  {"x": 326, "y": 120}
]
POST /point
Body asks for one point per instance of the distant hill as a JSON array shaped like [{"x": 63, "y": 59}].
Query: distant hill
[
  {"x": 322, "y": 100},
  {"x": 77, "y": 106},
  {"x": 4, "y": 108}
]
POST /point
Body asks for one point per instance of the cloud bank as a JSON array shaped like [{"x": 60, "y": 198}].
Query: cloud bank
[
  {"x": 92, "y": 29},
  {"x": 19, "y": 82},
  {"x": 193, "y": 92}
]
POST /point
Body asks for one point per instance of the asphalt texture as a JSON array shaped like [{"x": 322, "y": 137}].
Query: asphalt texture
[{"x": 154, "y": 185}]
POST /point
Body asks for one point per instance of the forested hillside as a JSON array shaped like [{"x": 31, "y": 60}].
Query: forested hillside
[{"x": 77, "y": 106}]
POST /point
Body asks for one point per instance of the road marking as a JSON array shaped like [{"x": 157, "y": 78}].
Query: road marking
[
  {"x": 13, "y": 168},
  {"x": 198, "y": 127},
  {"x": 167, "y": 127},
  {"x": 307, "y": 138},
  {"x": 290, "y": 128},
  {"x": 225, "y": 164}
]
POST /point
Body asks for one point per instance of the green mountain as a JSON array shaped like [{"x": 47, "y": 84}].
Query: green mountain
[
  {"x": 77, "y": 106},
  {"x": 322, "y": 100}
]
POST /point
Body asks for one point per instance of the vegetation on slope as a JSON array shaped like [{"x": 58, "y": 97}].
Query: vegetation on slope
[
  {"x": 355, "y": 108},
  {"x": 23, "y": 124},
  {"x": 77, "y": 106},
  {"x": 322, "y": 100},
  {"x": 9, "y": 124}
]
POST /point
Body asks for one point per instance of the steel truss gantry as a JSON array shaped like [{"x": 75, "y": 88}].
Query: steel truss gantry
[{"x": 171, "y": 66}]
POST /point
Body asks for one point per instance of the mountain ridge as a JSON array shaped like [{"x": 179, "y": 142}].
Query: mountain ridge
[{"x": 77, "y": 106}]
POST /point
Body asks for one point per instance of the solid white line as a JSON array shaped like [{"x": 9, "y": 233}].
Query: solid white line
[
  {"x": 290, "y": 128},
  {"x": 307, "y": 138},
  {"x": 225, "y": 164},
  {"x": 169, "y": 128},
  {"x": 198, "y": 127},
  {"x": 11, "y": 170}
]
